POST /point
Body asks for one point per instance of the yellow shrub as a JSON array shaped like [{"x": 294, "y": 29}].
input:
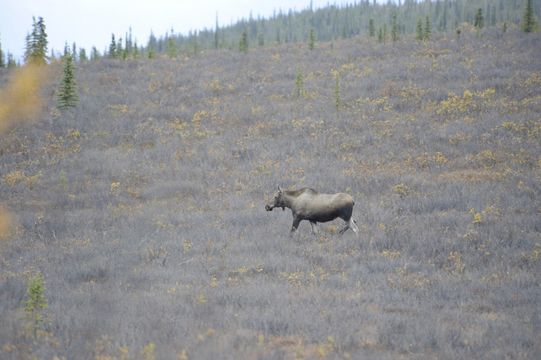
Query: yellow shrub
[
  {"x": 456, "y": 104},
  {"x": 115, "y": 186},
  {"x": 459, "y": 137},
  {"x": 119, "y": 108},
  {"x": 186, "y": 246},
  {"x": 17, "y": 176},
  {"x": 201, "y": 299},
  {"x": 477, "y": 218},
  {"x": 401, "y": 190},
  {"x": 440, "y": 158},
  {"x": 148, "y": 352},
  {"x": 14, "y": 177},
  {"x": 487, "y": 158},
  {"x": 423, "y": 160},
  {"x": 391, "y": 254},
  {"x": 534, "y": 80},
  {"x": 74, "y": 134}
]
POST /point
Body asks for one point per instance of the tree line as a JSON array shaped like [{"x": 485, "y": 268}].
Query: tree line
[
  {"x": 382, "y": 21},
  {"x": 365, "y": 17}
]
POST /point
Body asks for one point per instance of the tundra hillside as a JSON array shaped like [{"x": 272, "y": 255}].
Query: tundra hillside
[{"x": 141, "y": 230}]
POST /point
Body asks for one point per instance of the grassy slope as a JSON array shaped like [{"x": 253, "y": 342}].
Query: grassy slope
[{"x": 144, "y": 208}]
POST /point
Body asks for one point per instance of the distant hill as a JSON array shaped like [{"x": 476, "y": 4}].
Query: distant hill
[{"x": 339, "y": 22}]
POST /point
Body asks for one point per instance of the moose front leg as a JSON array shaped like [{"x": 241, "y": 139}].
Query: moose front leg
[{"x": 295, "y": 225}]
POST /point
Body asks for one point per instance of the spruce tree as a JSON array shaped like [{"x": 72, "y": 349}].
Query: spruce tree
[
  {"x": 66, "y": 50},
  {"x": 2, "y": 60},
  {"x": 31, "y": 43},
  {"x": 371, "y": 28},
  {"x": 119, "y": 53},
  {"x": 36, "y": 295},
  {"x": 443, "y": 22},
  {"x": 479, "y": 21},
  {"x": 243, "y": 43},
  {"x": 94, "y": 54},
  {"x": 36, "y": 43},
  {"x": 419, "y": 30},
  {"x": 74, "y": 51},
  {"x": 36, "y": 303},
  {"x": 28, "y": 48},
  {"x": 216, "y": 34},
  {"x": 67, "y": 94},
  {"x": 129, "y": 44},
  {"x": 112, "y": 47},
  {"x": 41, "y": 49},
  {"x": 82, "y": 55},
  {"x": 394, "y": 28},
  {"x": 135, "y": 52},
  {"x": 428, "y": 28},
  {"x": 312, "y": 39},
  {"x": 299, "y": 85},
  {"x": 337, "y": 99},
  {"x": 152, "y": 44},
  {"x": 11, "y": 61},
  {"x": 528, "y": 20},
  {"x": 195, "y": 43},
  {"x": 171, "y": 45}
]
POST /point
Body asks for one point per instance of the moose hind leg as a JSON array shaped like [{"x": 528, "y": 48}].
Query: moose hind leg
[
  {"x": 353, "y": 226},
  {"x": 344, "y": 229},
  {"x": 315, "y": 229}
]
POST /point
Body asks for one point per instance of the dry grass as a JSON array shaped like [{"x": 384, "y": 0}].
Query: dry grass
[{"x": 143, "y": 208}]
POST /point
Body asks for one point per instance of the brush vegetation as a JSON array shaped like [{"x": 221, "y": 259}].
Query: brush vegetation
[{"x": 142, "y": 208}]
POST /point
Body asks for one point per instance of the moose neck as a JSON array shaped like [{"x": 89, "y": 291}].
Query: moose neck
[{"x": 287, "y": 199}]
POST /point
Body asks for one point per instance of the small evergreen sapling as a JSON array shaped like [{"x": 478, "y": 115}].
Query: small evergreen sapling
[
  {"x": 36, "y": 303},
  {"x": 299, "y": 85},
  {"x": 337, "y": 97}
]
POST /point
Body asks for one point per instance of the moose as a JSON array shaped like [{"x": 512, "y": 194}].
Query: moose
[{"x": 308, "y": 204}]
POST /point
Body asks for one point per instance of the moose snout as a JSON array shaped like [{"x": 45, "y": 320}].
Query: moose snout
[{"x": 268, "y": 207}]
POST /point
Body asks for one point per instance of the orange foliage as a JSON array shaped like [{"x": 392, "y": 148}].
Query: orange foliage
[
  {"x": 20, "y": 100},
  {"x": 6, "y": 221}
]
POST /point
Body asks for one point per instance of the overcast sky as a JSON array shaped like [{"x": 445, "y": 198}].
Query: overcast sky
[{"x": 91, "y": 22}]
